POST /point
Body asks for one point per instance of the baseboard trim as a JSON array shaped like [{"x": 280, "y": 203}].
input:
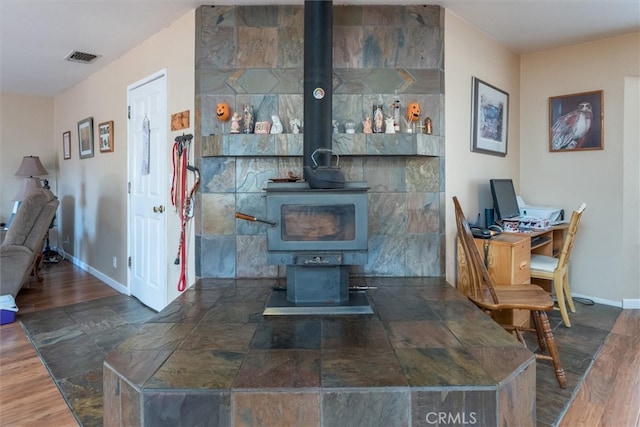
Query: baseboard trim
[
  {"x": 625, "y": 304},
  {"x": 99, "y": 275},
  {"x": 598, "y": 300},
  {"x": 631, "y": 303}
]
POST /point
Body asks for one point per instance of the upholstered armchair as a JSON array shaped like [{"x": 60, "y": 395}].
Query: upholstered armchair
[{"x": 19, "y": 253}]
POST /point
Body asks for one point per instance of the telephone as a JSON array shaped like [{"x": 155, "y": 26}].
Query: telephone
[
  {"x": 481, "y": 233},
  {"x": 486, "y": 233}
]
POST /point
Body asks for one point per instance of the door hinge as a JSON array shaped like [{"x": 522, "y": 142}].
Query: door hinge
[
  {"x": 128, "y": 111},
  {"x": 129, "y": 187},
  {"x": 129, "y": 262}
]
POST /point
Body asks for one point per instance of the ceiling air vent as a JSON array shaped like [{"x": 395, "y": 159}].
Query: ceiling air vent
[{"x": 85, "y": 58}]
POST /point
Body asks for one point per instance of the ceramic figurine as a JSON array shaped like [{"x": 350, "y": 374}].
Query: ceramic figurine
[
  {"x": 276, "y": 125},
  {"x": 235, "y": 122},
  {"x": 428, "y": 126},
  {"x": 334, "y": 124},
  {"x": 295, "y": 126},
  {"x": 396, "y": 111},
  {"x": 247, "y": 119},
  {"x": 388, "y": 123},
  {"x": 350, "y": 126},
  {"x": 366, "y": 125},
  {"x": 378, "y": 119}
]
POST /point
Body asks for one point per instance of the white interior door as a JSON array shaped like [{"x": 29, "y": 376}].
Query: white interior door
[{"x": 148, "y": 150}]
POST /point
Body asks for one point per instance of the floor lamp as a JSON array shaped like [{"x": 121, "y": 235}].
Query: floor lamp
[{"x": 30, "y": 168}]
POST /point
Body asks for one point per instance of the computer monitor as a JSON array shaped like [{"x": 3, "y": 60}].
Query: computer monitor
[{"x": 505, "y": 203}]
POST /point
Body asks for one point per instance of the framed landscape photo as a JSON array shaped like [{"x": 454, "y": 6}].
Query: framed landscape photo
[
  {"x": 105, "y": 133},
  {"x": 66, "y": 145},
  {"x": 489, "y": 119},
  {"x": 576, "y": 122},
  {"x": 85, "y": 138}
]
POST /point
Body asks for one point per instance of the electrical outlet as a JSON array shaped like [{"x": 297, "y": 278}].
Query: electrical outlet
[{"x": 115, "y": 262}]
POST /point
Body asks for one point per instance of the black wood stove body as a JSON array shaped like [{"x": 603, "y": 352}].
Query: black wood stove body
[{"x": 319, "y": 234}]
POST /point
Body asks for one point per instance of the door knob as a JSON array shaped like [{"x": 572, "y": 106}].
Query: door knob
[{"x": 158, "y": 209}]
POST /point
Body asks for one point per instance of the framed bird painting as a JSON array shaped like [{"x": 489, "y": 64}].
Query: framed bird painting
[{"x": 576, "y": 122}]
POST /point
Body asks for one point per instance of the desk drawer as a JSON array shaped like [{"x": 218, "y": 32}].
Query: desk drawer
[
  {"x": 521, "y": 264},
  {"x": 509, "y": 261}
]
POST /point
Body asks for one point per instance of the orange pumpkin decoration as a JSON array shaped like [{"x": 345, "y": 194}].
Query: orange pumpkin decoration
[
  {"x": 222, "y": 111},
  {"x": 413, "y": 111}
]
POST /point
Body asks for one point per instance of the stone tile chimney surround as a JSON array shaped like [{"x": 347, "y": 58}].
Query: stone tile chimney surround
[{"x": 254, "y": 55}]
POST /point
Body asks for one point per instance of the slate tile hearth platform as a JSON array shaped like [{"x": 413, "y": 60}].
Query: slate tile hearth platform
[
  {"x": 211, "y": 358},
  {"x": 73, "y": 342}
]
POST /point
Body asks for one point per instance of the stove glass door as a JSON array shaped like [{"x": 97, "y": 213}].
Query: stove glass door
[{"x": 318, "y": 223}]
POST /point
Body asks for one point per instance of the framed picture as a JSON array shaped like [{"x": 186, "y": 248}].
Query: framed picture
[
  {"x": 576, "y": 122},
  {"x": 262, "y": 127},
  {"x": 105, "y": 133},
  {"x": 489, "y": 119},
  {"x": 66, "y": 145},
  {"x": 85, "y": 137}
]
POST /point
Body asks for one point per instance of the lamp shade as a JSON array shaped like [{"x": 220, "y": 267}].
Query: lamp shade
[
  {"x": 31, "y": 166},
  {"x": 27, "y": 185}
]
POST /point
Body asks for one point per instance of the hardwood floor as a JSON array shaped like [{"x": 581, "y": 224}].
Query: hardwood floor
[
  {"x": 608, "y": 396},
  {"x": 28, "y": 395}
]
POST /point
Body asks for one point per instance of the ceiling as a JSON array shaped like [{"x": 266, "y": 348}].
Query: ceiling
[{"x": 36, "y": 35}]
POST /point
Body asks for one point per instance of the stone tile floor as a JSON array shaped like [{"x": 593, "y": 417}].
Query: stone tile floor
[{"x": 74, "y": 341}]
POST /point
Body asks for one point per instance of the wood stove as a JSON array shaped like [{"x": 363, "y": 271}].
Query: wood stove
[{"x": 318, "y": 235}]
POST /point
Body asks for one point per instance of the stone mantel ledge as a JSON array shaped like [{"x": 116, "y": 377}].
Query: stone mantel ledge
[{"x": 359, "y": 144}]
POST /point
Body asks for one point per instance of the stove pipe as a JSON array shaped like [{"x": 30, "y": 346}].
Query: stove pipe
[{"x": 318, "y": 80}]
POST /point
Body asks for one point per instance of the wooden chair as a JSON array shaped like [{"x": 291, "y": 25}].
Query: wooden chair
[
  {"x": 492, "y": 298},
  {"x": 557, "y": 269}
]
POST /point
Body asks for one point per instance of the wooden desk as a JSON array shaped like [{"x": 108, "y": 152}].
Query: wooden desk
[{"x": 509, "y": 262}]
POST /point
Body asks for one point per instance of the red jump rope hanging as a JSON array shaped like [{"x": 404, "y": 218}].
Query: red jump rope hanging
[{"x": 182, "y": 199}]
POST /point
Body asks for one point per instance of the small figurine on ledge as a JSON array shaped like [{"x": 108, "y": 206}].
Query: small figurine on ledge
[
  {"x": 378, "y": 119},
  {"x": 235, "y": 122},
  {"x": 389, "y": 125},
  {"x": 366, "y": 125},
  {"x": 222, "y": 112},
  {"x": 295, "y": 126},
  {"x": 413, "y": 115},
  {"x": 428, "y": 126},
  {"x": 247, "y": 119},
  {"x": 413, "y": 111},
  {"x": 276, "y": 124}
]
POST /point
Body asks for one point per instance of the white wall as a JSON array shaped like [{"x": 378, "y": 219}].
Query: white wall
[
  {"x": 93, "y": 191},
  {"x": 470, "y": 53},
  {"x": 596, "y": 177},
  {"x": 631, "y": 193},
  {"x": 26, "y": 129}
]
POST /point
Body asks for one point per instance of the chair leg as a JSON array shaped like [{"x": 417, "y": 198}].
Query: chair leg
[
  {"x": 558, "y": 286},
  {"x": 543, "y": 321},
  {"x": 538, "y": 327},
  {"x": 567, "y": 291}
]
